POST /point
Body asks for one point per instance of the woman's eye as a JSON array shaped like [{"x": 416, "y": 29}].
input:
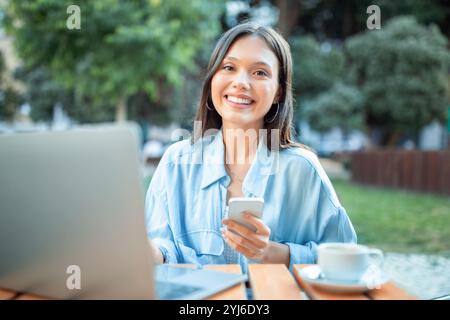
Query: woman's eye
[
  {"x": 261, "y": 73},
  {"x": 228, "y": 68}
]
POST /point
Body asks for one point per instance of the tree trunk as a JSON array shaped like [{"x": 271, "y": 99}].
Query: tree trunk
[
  {"x": 347, "y": 20},
  {"x": 345, "y": 136},
  {"x": 121, "y": 110},
  {"x": 392, "y": 139},
  {"x": 289, "y": 13}
]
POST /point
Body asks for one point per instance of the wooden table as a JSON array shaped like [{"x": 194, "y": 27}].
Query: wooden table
[
  {"x": 273, "y": 282},
  {"x": 389, "y": 291}
]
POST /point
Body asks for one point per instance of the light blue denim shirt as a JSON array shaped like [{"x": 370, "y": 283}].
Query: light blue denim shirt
[{"x": 186, "y": 201}]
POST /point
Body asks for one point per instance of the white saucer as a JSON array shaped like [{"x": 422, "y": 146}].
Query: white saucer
[{"x": 313, "y": 275}]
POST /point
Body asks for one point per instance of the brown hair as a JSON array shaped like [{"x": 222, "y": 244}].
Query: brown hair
[{"x": 282, "y": 115}]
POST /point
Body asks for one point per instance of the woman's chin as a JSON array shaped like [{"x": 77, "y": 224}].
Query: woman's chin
[{"x": 241, "y": 121}]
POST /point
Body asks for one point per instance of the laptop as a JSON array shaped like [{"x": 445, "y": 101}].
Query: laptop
[{"x": 72, "y": 223}]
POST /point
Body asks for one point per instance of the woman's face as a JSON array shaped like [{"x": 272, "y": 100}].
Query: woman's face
[{"x": 246, "y": 84}]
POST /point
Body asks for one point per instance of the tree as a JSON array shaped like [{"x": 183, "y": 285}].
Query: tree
[
  {"x": 316, "y": 67},
  {"x": 10, "y": 99},
  {"x": 341, "y": 106},
  {"x": 288, "y": 16},
  {"x": 121, "y": 49},
  {"x": 42, "y": 92},
  {"x": 402, "y": 70},
  {"x": 338, "y": 19}
]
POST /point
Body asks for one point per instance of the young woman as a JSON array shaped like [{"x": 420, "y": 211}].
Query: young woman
[{"x": 244, "y": 148}]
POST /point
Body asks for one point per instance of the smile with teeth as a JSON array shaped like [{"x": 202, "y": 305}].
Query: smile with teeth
[{"x": 239, "y": 100}]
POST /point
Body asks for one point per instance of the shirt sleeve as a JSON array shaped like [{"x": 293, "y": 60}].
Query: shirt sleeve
[
  {"x": 337, "y": 228},
  {"x": 157, "y": 217}
]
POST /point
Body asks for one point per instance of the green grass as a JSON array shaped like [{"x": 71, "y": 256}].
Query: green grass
[{"x": 396, "y": 220}]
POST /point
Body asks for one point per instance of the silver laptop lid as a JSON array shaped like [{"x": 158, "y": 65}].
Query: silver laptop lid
[{"x": 73, "y": 199}]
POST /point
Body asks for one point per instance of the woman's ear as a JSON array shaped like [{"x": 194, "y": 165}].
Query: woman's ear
[{"x": 278, "y": 95}]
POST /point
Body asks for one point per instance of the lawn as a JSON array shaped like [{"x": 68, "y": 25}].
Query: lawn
[{"x": 398, "y": 221}]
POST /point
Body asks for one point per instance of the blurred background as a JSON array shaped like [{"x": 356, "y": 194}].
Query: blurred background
[{"x": 373, "y": 102}]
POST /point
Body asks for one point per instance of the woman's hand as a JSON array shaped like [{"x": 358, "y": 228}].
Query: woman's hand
[{"x": 252, "y": 244}]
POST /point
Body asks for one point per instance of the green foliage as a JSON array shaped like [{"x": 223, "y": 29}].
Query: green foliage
[
  {"x": 402, "y": 70},
  {"x": 341, "y": 106},
  {"x": 338, "y": 19},
  {"x": 9, "y": 100},
  {"x": 42, "y": 92},
  {"x": 88, "y": 110},
  {"x": 9, "y": 97},
  {"x": 433, "y": 11},
  {"x": 315, "y": 69},
  {"x": 122, "y": 48},
  {"x": 324, "y": 103}
]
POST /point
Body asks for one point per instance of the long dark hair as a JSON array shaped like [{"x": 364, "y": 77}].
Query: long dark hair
[{"x": 280, "y": 115}]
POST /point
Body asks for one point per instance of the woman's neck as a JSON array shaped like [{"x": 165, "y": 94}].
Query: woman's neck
[{"x": 240, "y": 143}]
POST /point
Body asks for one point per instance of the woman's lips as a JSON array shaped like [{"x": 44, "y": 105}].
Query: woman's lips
[{"x": 238, "y": 105}]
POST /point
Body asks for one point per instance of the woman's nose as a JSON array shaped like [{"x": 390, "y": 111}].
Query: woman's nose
[{"x": 241, "y": 81}]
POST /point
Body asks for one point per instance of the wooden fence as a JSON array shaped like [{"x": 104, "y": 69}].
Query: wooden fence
[{"x": 423, "y": 171}]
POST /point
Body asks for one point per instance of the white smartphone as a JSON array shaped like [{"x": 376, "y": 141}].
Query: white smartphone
[{"x": 237, "y": 207}]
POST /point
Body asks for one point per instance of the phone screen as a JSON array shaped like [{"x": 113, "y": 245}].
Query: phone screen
[{"x": 237, "y": 207}]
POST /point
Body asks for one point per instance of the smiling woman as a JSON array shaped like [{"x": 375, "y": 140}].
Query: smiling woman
[
  {"x": 253, "y": 63},
  {"x": 246, "y": 96},
  {"x": 246, "y": 85}
]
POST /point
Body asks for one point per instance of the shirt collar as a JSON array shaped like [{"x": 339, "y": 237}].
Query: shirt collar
[
  {"x": 212, "y": 149},
  {"x": 263, "y": 166}
]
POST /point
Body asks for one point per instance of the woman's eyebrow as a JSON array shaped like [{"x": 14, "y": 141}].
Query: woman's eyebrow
[{"x": 256, "y": 63}]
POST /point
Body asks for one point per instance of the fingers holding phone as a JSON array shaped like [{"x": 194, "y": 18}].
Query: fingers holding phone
[
  {"x": 237, "y": 207},
  {"x": 248, "y": 226},
  {"x": 245, "y": 231},
  {"x": 252, "y": 244}
]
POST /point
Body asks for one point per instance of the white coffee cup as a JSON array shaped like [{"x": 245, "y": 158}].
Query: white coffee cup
[{"x": 347, "y": 261}]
